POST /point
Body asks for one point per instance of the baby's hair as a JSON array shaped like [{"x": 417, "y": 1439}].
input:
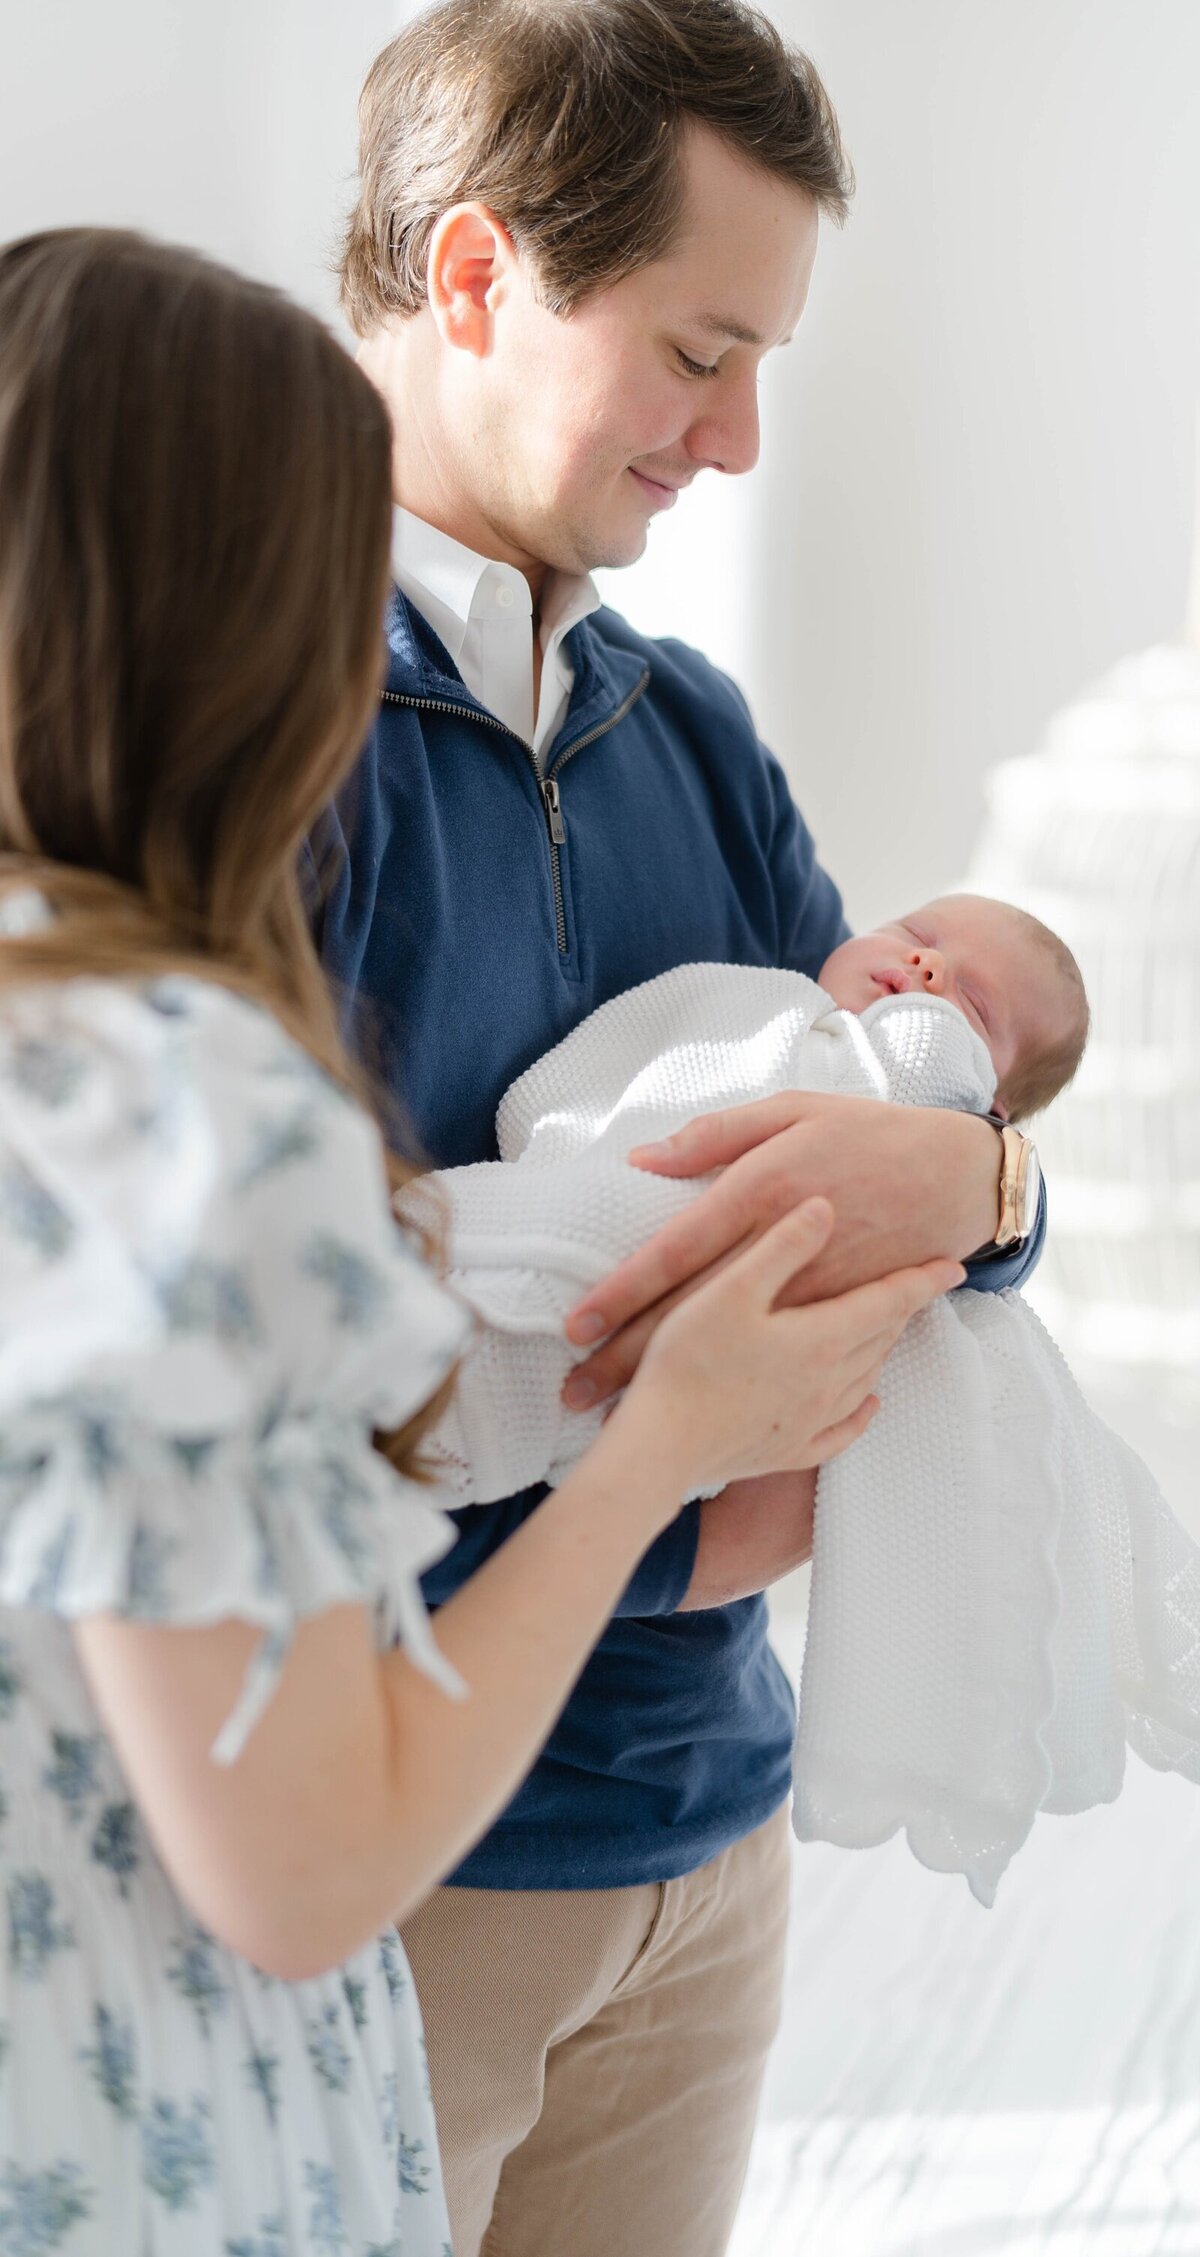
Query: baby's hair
[{"x": 1042, "y": 1074}]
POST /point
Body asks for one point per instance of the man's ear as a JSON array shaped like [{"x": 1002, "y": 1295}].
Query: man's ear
[{"x": 471, "y": 255}]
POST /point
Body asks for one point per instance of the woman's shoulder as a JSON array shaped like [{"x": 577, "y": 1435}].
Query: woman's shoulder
[
  {"x": 175, "y": 1168},
  {"x": 133, "y": 1061},
  {"x": 169, "y": 1117}
]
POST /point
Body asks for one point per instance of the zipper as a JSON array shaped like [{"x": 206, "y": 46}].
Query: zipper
[{"x": 547, "y": 786}]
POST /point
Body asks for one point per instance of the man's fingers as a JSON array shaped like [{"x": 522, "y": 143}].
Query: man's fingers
[
  {"x": 713, "y": 1140},
  {"x": 613, "y": 1366},
  {"x": 834, "y": 1439}
]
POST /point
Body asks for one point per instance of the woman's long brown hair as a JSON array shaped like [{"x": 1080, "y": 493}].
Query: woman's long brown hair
[{"x": 194, "y": 531}]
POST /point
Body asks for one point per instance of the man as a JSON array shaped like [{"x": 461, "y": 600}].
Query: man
[{"x": 581, "y": 225}]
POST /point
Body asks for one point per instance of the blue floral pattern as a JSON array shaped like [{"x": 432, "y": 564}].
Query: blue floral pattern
[
  {"x": 327, "y": 2050},
  {"x": 115, "y": 1843},
  {"x": 269, "y": 2241},
  {"x": 35, "y": 1931},
  {"x": 111, "y": 2062},
  {"x": 39, "y": 2208},
  {"x": 194, "y": 1969},
  {"x": 73, "y": 1775},
  {"x": 32, "y": 1215},
  {"x": 262, "y": 2068},
  {"x": 177, "y": 2156},
  {"x": 201, "y": 1377}
]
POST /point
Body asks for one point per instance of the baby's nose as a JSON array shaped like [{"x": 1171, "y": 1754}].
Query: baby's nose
[{"x": 930, "y": 969}]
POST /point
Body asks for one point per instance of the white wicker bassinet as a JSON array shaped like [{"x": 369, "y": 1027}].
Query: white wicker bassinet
[{"x": 1099, "y": 834}]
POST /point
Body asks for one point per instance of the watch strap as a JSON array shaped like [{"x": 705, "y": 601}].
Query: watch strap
[{"x": 1013, "y": 1223}]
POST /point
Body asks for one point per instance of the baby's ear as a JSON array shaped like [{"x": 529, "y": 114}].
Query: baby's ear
[{"x": 999, "y": 1107}]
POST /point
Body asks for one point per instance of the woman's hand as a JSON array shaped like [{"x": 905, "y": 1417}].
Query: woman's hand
[
  {"x": 734, "y": 1385},
  {"x": 906, "y": 1182}
]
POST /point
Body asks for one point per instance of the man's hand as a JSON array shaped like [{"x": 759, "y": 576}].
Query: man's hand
[
  {"x": 906, "y": 1183},
  {"x": 751, "y": 1535}
]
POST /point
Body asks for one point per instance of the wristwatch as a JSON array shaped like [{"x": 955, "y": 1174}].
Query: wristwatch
[{"x": 1020, "y": 1190}]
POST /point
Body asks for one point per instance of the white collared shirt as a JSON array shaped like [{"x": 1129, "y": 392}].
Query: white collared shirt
[{"x": 483, "y": 613}]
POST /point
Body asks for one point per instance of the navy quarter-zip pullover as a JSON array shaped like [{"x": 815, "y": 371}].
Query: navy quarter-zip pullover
[{"x": 477, "y": 913}]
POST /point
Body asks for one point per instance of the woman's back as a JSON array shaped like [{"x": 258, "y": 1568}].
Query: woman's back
[{"x": 204, "y": 1312}]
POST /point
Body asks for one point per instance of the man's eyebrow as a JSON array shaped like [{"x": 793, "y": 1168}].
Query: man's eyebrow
[{"x": 719, "y": 325}]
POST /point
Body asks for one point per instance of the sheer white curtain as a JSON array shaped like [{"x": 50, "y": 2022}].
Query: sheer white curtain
[{"x": 229, "y": 126}]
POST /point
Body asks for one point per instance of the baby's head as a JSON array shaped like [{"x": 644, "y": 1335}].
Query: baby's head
[{"x": 1013, "y": 980}]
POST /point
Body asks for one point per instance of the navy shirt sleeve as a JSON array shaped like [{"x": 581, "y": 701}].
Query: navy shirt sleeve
[
  {"x": 660, "y": 1579},
  {"x": 657, "y": 1585}
]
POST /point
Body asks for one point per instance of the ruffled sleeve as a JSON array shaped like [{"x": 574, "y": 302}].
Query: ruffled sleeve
[{"x": 206, "y": 1309}]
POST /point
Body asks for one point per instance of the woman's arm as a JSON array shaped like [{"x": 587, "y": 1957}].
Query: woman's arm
[{"x": 363, "y": 1783}]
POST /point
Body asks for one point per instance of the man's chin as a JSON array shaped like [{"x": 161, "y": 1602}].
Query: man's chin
[
  {"x": 611, "y": 551},
  {"x": 576, "y": 549}
]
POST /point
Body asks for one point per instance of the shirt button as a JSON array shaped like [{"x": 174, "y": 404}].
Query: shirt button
[{"x": 504, "y": 597}]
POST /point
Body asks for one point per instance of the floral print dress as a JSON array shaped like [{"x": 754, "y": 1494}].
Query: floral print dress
[{"x": 205, "y": 1309}]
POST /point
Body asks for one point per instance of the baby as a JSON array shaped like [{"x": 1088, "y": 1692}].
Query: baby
[
  {"x": 965, "y": 1002},
  {"x": 1015, "y": 982},
  {"x": 1000, "y": 1600}
]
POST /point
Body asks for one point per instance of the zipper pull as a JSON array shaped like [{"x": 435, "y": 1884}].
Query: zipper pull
[{"x": 553, "y": 807}]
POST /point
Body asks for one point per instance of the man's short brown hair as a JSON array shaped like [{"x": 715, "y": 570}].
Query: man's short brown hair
[{"x": 564, "y": 117}]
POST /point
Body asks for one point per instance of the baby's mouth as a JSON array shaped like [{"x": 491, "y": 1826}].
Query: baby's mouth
[{"x": 892, "y": 983}]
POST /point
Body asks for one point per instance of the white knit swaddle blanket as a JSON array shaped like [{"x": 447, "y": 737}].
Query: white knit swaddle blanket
[{"x": 1000, "y": 1596}]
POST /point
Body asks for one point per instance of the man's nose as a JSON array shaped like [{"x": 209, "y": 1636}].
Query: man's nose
[
  {"x": 726, "y": 437},
  {"x": 929, "y": 967}
]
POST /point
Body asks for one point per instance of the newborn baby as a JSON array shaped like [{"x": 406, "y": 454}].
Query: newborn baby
[
  {"x": 1000, "y": 1598},
  {"x": 966, "y": 1002},
  {"x": 1015, "y": 982}
]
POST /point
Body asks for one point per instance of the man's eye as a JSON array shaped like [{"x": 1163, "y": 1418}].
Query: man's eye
[{"x": 694, "y": 367}]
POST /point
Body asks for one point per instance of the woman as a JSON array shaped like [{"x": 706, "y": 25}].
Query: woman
[{"x": 225, "y": 1778}]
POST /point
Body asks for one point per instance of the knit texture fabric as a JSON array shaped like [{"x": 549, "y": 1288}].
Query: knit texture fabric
[
  {"x": 1001, "y": 1599},
  {"x": 531, "y": 1231}
]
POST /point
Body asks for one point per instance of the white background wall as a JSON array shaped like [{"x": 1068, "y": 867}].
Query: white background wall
[
  {"x": 978, "y": 460},
  {"x": 229, "y": 125},
  {"x": 977, "y": 474}
]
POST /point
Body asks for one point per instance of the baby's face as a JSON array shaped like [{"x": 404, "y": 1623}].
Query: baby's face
[{"x": 971, "y": 952}]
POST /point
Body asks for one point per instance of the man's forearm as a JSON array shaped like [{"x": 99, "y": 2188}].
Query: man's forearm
[{"x": 753, "y": 1534}]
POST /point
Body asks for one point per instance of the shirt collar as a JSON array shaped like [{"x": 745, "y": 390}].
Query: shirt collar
[{"x": 442, "y": 578}]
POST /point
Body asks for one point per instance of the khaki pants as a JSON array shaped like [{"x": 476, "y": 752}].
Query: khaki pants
[{"x": 596, "y": 2055}]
